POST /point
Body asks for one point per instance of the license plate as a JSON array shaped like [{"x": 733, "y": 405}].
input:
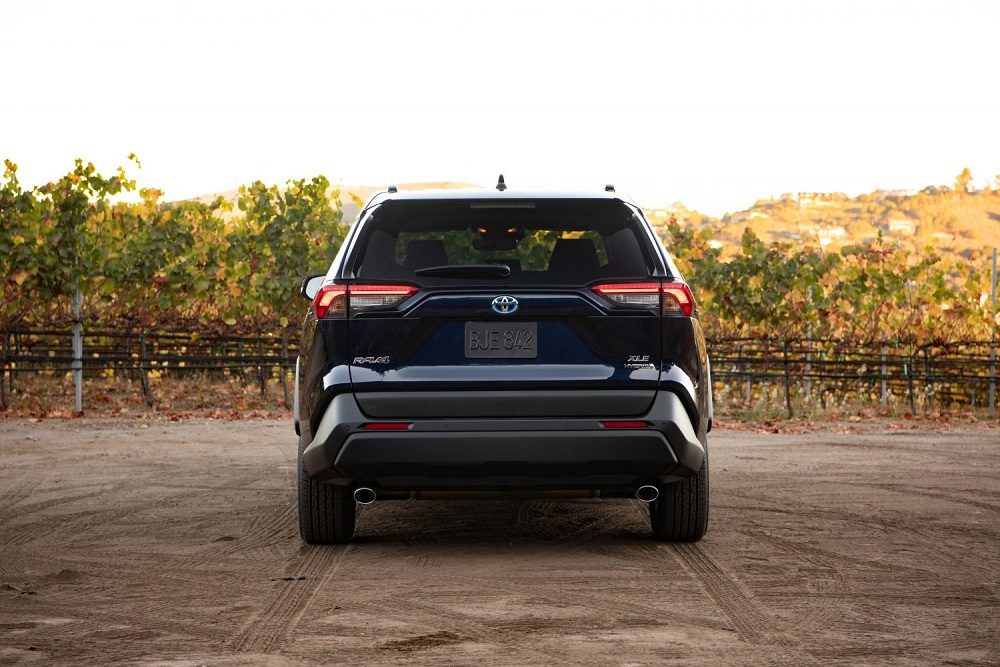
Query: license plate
[{"x": 500, "y": 340}]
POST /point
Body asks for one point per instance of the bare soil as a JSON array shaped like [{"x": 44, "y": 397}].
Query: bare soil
[{"x": 176, "y": 543}]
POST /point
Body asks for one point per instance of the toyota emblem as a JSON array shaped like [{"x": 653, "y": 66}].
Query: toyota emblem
[{"x": 505, "y": 305}]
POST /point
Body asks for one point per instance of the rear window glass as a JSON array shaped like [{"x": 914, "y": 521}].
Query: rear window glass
[{"x": 542, "y": 242}]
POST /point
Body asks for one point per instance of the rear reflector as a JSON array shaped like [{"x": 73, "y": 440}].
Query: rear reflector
[
  {"x": 625, "y": 424},
  {"x": 387, "y": 426}
]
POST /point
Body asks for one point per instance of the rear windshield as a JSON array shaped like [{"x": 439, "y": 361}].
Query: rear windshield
[{"x": 542, "y": 242}]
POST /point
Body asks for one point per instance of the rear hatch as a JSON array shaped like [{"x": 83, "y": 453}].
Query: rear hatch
[{"x": 503, "y": 309}]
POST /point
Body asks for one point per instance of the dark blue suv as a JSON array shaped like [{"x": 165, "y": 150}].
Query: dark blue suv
[{"x": 467, "y": 342}]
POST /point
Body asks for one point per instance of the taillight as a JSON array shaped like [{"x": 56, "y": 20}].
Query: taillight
[
  {"x": 676, "y": 296},
  {"x": 375, "y": 297},
  {"x": 331, "y": 300},
  {"x": 677, "y": 299},
  {"x": 641, "y": 295},
  {"x": 334, "y": 300}
]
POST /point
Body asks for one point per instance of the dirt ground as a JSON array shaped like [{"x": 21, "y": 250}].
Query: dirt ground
[{"x": 176, "y": 543}]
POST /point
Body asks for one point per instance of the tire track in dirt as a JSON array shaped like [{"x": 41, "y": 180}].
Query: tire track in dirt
[
  {"x": 947, "y": 554},
  {"x": 865, "y": 444},
  {"x": 829, "y": 582},
  {"x": 269, "y": 524},
  {"x": 267, "y": 529},
  {"x": 743, "y": 614},
  {"x": 71, "y": 528},
  {"x": 278, "y": 525},
  {"x": 12, "y": 534},
  {"x": 268, "y": 629},
  {"x": 42, "y": 505},
  {"x": 465, "y": 626},
  {"x": 87, "y": 620},
  {"x": 196, "y": 628},
  {"x": 751, "y": 624},
  {"x": 165, "y": 576},
  {"x": 555, "y": 523},
  {"x": 158, "y": 610},
  {"x": 808, "y": 551},
  {"x": 600, "y": 602},
  {"x": 17, "y": 491},
  {"x": 537, "y": 519},
  {"x": 938, "y": 652},
  {"x": 11, "y": 495},
  {"x": 902, "y": 488}
]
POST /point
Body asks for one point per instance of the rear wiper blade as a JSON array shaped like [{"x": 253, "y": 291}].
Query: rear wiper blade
[{"x": 465, "y": 271}]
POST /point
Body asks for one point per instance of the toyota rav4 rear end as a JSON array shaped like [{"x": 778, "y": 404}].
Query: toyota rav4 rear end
[{"x": 477, "y": 341}]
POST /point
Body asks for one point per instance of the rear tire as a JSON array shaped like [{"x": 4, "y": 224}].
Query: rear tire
[
  {"x": 680, "y": 514},
  {"x": 326, "y": 511}
]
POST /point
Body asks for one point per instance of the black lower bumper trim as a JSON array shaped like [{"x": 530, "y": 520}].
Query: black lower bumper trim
[
  {"x": 475, "y": 454},
  {"x": 514, "y": 458}
]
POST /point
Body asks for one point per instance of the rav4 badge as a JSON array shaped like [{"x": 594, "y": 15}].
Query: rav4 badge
[{"x": 371, "y": 360}]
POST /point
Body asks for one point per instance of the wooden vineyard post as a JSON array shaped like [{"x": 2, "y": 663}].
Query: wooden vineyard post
[
  {"x": 883, "y": 400},
  {"x": 788, "y": 380},
  {"x": 993, "y": 342},
  {"x": 147, "y": 390},
  {"x": 77, "y": 365}
]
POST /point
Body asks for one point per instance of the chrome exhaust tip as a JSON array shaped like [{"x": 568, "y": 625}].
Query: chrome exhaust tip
[
  {"x": 364, "y": 496},
  {"x": 647, "y": 493}
]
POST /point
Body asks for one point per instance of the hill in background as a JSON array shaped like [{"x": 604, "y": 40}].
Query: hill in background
[{"x": 960, "y": 225}]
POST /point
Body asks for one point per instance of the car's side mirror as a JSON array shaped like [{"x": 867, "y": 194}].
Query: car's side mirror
[{"x": 310, "y": 286}]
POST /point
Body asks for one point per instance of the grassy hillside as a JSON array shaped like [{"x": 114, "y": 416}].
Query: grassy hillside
[{"x": 958, "y": 225}]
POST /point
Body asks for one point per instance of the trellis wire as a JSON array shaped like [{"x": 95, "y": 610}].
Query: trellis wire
[{"x": 951, "y": 374}]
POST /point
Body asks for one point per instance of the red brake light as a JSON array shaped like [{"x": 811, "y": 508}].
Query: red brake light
[
  {"x": 625, "y": 424},
  {"x": 387, "y": 426},
  {"x": 677, "y": 299},
  {"x": 642, "y": 295},
  {"x": 371, "y": 297},
  {"x": 332, "y": 300}
]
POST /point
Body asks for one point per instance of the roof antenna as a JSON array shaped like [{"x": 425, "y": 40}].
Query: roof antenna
[
  {"x": 501, "y": 186},
  {"x": 393, "y": 189}
]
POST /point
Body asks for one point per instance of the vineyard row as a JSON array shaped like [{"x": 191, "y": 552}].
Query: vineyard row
[{"x": 744, "y": 371}]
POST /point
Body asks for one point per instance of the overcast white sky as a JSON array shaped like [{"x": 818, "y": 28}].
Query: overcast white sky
[{"x": 711, "y": 103}]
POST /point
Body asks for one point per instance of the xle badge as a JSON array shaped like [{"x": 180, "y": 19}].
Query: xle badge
[{"x": 636, "y": 361}]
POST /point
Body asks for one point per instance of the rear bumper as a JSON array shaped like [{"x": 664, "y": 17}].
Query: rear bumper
[{"x": 527, "y": 453}]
